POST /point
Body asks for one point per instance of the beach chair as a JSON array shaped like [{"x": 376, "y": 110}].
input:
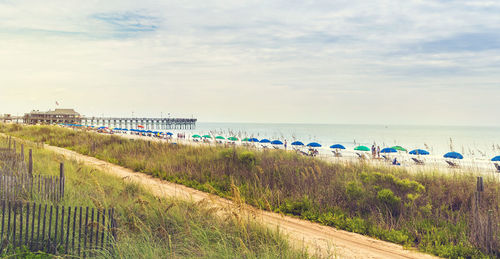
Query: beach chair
[
  {"x": 275, "y": 147},
  {"x": 302, "y": 152},
  {"x": 386, "y": 158},
  {"x": 361, "y": 156},
  {"x": 451, "y": 164},
  {"x": 336, "y": 154},
  {"x": 417, "y": 161},
  {"x": 497, "y": 166}
]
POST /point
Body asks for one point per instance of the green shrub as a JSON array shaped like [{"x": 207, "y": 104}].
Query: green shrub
[{"x": 247, "y": 158}]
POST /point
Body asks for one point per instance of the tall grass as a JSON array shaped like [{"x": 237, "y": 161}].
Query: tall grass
[
  {"x": 431, "y": 211},
  {"x": 152, "y": 227}
]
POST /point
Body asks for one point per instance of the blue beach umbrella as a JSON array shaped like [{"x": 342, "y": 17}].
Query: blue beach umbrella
[
  {"x": 297, "y": 143},
  {"x": 170, "y": 133},
  {"x": 454, "y": 155},
  {"x": 126, "y": 129},
  {"x": 277, "y": 142},
  {"x": 419, "y": 152},
  {"x": 314, "y": 144},
  {"x": 265, "y": 140},
  {"x": 253, "y": 140},
  {"x": 337, "y": 146},
  {"x": 388, "y": 150},
  {"x": 495, "y": 159}
]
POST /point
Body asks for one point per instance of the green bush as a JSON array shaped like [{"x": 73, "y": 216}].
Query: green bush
[{"x": 247, "y": 158}]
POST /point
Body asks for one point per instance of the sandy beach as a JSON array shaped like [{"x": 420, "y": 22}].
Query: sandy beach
[{"x": 432, "y": 163}]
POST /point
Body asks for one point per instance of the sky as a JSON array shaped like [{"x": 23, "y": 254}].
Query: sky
[{"x": 285, "y": 61}]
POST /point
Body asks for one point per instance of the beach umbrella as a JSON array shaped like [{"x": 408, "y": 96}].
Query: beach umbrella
[
  {"x": 253, "y": 140},
  {"x": 170, "y": 133},
  {"x": 454, "y": 155},
  {"x": 245, "y": 139},
  {"x": 126, "y": 129},
  {"x": 337, "y": 146},
  {"x": 419, "y": 152},
  {"x": 207, "y": 136},
  {"x": 495, "y": 159},
  {"x": 196, "y": 136},
  {"x": 297, "y": 143},
  {"x": 220, "y": 137},
  {"x": 140, "y": 126},
  {"x": 388, "y": 150},
  {"x": 265, "y": 140},
  {"x": 399, "y": 148},
  {"x": 314, "y": 144},
  {"x": 233, "y": 138},
  {"x": 362, "y": 148},
  {"x": 276, "y": 142}
]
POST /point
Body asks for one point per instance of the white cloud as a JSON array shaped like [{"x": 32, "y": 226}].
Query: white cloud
[{"x": 292, "y": 61}]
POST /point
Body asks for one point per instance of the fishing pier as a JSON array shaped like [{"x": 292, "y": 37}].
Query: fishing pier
[
  {"x": 70, "y": 116},
  {"x": 148, "y": 123}
]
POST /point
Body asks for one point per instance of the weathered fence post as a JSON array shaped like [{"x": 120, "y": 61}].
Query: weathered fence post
[
  {"x": 489, "y": 231},
  {"x": 30, "y": 162},
  {"x": 22, "y": 152},
  {"x": 62, "y": 180}
]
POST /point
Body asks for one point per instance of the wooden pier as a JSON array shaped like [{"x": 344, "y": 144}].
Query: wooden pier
[
  {"x": 59, "y": 116},
  {"x": 148, "y": 123}
]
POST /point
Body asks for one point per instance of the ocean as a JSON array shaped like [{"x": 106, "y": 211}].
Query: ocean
[{"x": 472, "y": 142}]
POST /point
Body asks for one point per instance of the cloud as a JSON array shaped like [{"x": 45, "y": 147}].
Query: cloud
[
  {"x": 128, "y": 22},
  {"x": 259, "y": 58}
]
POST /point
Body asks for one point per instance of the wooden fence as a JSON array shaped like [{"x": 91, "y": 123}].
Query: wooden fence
[
  {"x": 484, "y": 223},
  {"x": 17, "y": 181},
  {"x": 11, "y": 162},
  {"x": 57, "y": 230},
  {"x": 28, "y": 187}
]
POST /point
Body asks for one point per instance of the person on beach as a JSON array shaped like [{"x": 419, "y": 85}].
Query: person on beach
[
  {"x": 285, "y": 144},
  {"x": 373, "y": 151},
  {"x": 395, "y": 162},
  {"x": 378, "y": 151}
]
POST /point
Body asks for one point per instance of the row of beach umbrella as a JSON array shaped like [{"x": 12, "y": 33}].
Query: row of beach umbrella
[
  {"x": 145, "y": 131},
  {"x": 394, "y": 149}
]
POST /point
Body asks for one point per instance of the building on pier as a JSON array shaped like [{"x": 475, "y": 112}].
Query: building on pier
[{"x": 53, "y": 117}]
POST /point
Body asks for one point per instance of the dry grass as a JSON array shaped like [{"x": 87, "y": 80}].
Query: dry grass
[{"x": 431, "y": 211}]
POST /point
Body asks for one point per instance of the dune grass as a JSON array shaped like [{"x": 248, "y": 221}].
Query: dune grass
[
  {"x": 430, "y": 211},
  {"x": 152, "y": 227}
]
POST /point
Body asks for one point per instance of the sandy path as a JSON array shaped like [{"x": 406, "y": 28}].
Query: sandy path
[{"x": 317, "y": 239}]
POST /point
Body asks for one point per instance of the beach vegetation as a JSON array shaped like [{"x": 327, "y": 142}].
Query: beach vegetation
[
  {"x": 431, "y": 211},
  {"x": 150, "y": 226}
]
